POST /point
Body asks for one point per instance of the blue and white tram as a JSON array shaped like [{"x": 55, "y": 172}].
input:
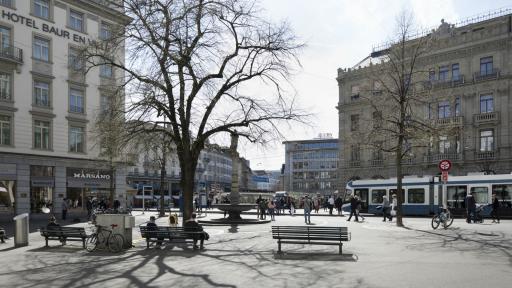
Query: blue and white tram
[{"x": 424, "y": 195}]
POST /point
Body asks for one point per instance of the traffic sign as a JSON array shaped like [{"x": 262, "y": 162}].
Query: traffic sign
[
  {"x": 445, "y": 165},
  {"x": 444, "y": 176}
]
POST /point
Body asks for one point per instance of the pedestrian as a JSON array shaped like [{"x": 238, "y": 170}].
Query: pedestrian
[
  {"x": 89, "y": 208},
  {"x": 117, "y": 204},
  {"x": 339, "y": 203},
  {"x": 151, "y": 225},
  {"x": 191, "y": 225},
  {"x": 495, "y": 209},
  {"x": 258, "y": 211},
  {"x": 308, "y": 204},
  {"x": 330, "y": 204},
  {"x": 386, "y": 208},
  {"x": 353, "y": 208},
  {"x": 263, "y": 209},
  {"x": 271, "y": 207},
  {"x": 292, "y": 207},
  {"x": 358, "y": 209},
  {"x": 65, "y": 207},
  {"x": 3, "y": 235},
  {"x": 471, "y": 207},
  {"x": 316, "y": 204}
]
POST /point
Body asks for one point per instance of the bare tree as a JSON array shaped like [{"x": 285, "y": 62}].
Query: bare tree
[
  {"x": 398, "y": 124},
  {"x": 188, "y": 65}
]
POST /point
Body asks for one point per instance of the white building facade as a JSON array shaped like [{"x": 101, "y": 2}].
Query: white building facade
[{"x": 48, "y": 104}]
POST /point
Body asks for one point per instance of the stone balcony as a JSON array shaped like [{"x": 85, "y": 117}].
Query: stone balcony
[
  {"x": 486, "y": 155},
  {"x": 436, "y": 157},
  {"x": 376, "y": 163},
  {"x": 354, "y": 163},
  {"x": 449, "y": 121},
  {"x": 484, "y": 118}
]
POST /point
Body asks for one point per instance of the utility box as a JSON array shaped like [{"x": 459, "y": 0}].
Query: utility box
[
  {"x": 21, "y": 230},
  {"x": 125, "y": 224}
]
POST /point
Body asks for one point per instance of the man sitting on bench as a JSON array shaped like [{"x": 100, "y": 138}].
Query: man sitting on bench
[
  {"x": 153, "y": 227},
  {"x": 191, "y": 225},
  {"x": 53, "y": 225}
]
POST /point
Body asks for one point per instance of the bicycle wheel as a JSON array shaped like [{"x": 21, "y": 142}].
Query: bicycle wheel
[
  {"x": 115, "y": 243},
  {"x": 90, "y": 243},
  {"x": 436, "y": 221},
  {"x": 449, "y": 221}
]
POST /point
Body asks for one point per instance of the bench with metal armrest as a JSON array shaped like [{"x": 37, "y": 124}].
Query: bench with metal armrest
[
  {"x": 64, "y": 234},
  {"x": 312, "y": 235}
]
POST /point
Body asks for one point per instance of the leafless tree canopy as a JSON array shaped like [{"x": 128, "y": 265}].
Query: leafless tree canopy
[{"x": 189, "y": 63}]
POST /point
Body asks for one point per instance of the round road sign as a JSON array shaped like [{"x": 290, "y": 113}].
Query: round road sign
[{"x": 445, "y": 165}]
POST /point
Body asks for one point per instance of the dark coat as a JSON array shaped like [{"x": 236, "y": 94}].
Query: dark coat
[
  {"x": 353, "y": 203},
  {"x": 495, "y": 203}
]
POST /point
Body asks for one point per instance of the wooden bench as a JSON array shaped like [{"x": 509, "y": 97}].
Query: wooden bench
[
  {"x": 64, "y": 234},
  {"x": 310, "y": 235},
  {"x": 170, "y": 234}
]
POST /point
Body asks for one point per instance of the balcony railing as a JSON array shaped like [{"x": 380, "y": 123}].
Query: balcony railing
[
  {"x": 444, "y": 83},
  {"x": 354, "y": 163},
  {"x": 487, "y": 75},
  {"x": 11, "y": 53},
  {"x": 487, "y": 117},
  {"x": 486, "y": 155},
  {"x": 450, "y": 121},
  {"x": 376, "y": 163},
  {"x": 436, "y": 157}
]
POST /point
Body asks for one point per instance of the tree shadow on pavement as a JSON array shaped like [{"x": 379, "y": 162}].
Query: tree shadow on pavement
[{"x": 483, "y": 244}]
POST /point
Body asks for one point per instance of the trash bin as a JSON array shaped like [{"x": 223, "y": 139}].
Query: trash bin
[{"x": 21, "y": 230}]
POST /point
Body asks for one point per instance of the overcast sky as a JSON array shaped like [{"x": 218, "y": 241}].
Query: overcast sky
[{"x": 338, "y": 34}]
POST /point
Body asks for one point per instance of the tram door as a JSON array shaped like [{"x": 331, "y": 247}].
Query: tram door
[{"x": 363, "y": 195}]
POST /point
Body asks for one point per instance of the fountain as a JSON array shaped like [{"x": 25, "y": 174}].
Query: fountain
[{"x": 234, "y": 209}]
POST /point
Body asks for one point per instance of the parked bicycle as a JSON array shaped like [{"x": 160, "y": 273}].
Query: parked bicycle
[
  {"x": 443, "y": 217},
  {"x": 105, "y": 238}
]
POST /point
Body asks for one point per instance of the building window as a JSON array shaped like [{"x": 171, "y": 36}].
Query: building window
[
  {"x": 377, "y": 119},
  {"x": 486, "y": 140},
  {"x": 455, "y": 72},
  {"x": 486, "y": 66},
  {"x": 443, "y": 73},
  {"x": 76, "y": 20},
  {"x": 76, "y": 139},
  {"x": 444, "y": 145},
  {"x": 106, "y": 71},
  {"x": 41, "y": 135},
  {"x": 41, "y": 49},
  {"x": 75, "y": 62},
  {"x": 105, "y": 31},
  {"x": 76, "y": 101},
  {"x": 7, "y": 3},
  {"x": 443, "y": 109},
  {"x": 354, "y": 122},
  {"x": 486, "y": 103},
  {"x": 5, "y": 40},
  {"x": 5, "y": 130},
  {"x": 42, "y": 8},
  {"x": 355, "y": 153},
  {"x": 41, "y": 94},
  {"x": 457, "y": 106},
  {"x": 5, "y": 87},
  {"x": 431, "y": 75}
]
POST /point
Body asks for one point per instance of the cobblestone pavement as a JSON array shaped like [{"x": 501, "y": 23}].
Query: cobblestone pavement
[{"x": 379, "y": 255}]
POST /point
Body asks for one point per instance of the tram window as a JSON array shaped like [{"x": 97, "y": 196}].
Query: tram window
[
  {"x": 416, "y": 195},
  {"x": 363, "y": 195},
  {"x": 481, "y": 194},
  {"x": 504, "y": 194},
  {"x": 456, "y": 196},
  {"x": 393, "y": 191},
  {"x": 377, "y": 195}
]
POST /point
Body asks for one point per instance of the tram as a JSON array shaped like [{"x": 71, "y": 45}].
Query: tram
[{"x": 424, "y": 194}]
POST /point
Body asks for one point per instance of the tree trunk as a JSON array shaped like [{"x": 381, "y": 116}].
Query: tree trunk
[
  {"x": 112, "y": 185},
  {"x": 163, "y": 174},
  {"x": 187, "y": 184}
]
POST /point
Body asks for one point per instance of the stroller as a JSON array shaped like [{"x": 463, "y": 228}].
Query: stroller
[{"x": 478, "y": 217}]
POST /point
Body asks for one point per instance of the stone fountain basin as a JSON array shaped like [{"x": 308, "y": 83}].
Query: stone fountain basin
[{"x": 235, "y": 207}]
